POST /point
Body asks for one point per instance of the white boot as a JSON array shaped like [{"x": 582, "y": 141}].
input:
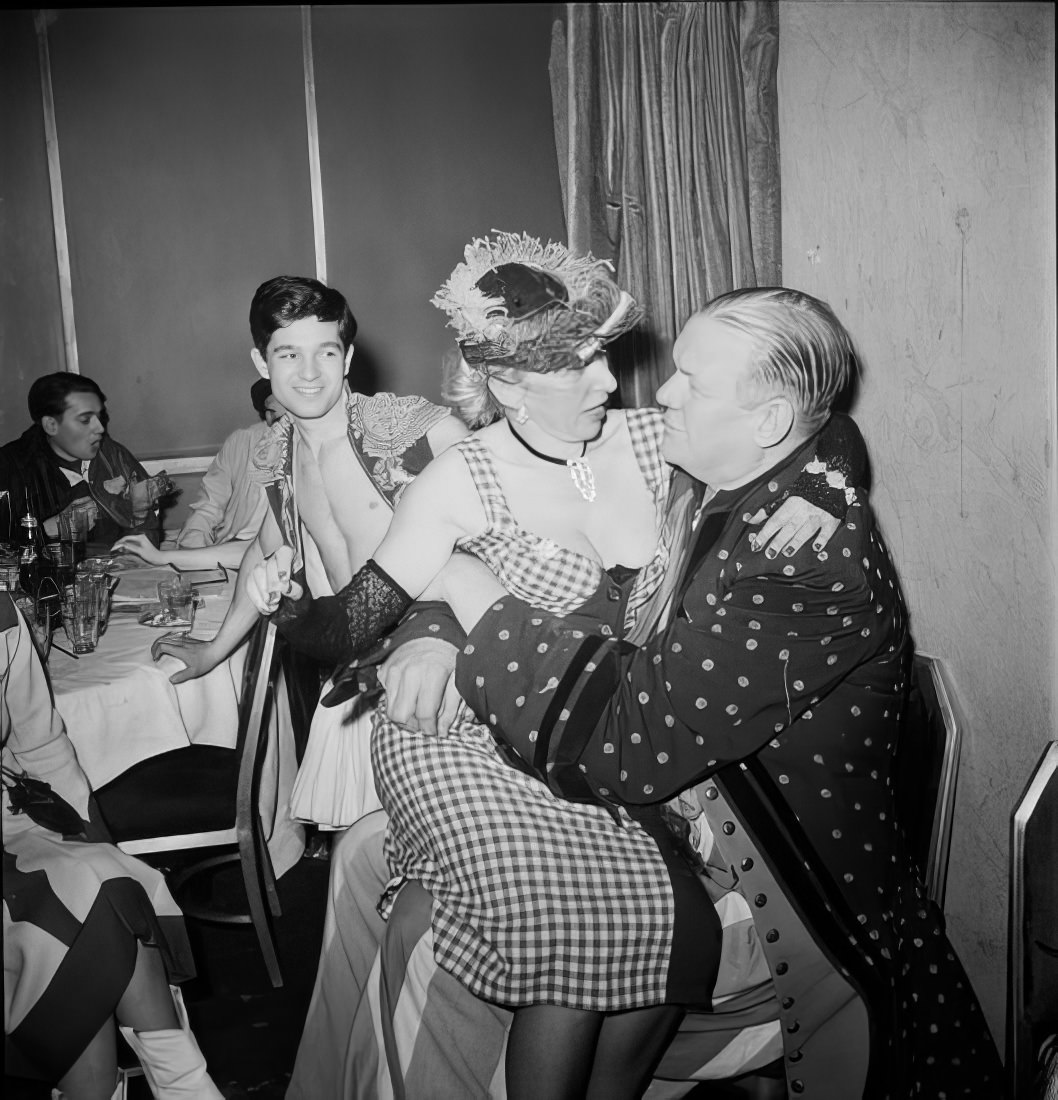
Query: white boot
[{"x": 172, "y": 1063}]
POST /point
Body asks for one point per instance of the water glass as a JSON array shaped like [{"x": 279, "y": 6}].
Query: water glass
[
  {"x": 8, "y": 571},
  {"x": 62, "y": 556},
  {"x": 73, "y": 532},
  {"x": 177, "y": 598},
  {"x": 39, "y": 618},
  {"x": 82, "y": 614},
  {"x": 103, "y": 591},
  {"x": 96, "y": 569}
]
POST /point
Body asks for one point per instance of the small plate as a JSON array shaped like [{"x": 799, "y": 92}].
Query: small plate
[
  {"x": 158, "y": 618},
  {"x": 133, "y": 607}
]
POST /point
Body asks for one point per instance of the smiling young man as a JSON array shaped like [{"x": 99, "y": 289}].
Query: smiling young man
[
  {"x": 67, "y": 461},
  {"x": 333, "y": 468}
]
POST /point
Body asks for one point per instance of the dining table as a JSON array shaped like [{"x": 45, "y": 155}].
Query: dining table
[{"x": 120, "y": 706}]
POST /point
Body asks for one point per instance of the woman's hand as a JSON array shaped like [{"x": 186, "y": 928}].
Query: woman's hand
[
  {"x": 142, "y": 547},
  {"x": 199, "y": 657},
  {"x": 791, "y": 526},
  {"x": 271, "y": 580}
]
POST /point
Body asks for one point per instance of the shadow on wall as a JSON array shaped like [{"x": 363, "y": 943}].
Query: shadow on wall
[{"x": 364, "y": 373}]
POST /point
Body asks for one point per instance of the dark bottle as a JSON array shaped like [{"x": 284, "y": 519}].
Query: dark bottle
[{"x": 32, "y": 560}]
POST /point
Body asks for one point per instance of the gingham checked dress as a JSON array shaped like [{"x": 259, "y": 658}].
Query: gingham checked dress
[{"x": 537, "y": 900}]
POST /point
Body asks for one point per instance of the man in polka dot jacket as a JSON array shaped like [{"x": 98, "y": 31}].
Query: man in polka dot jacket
[{"x": 770, "y": 695}]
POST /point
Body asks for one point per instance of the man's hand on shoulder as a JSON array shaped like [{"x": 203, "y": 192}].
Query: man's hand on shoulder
[{"x": 791, "y": 526}]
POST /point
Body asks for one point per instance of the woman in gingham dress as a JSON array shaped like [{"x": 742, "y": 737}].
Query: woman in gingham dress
[{"x": 572, "y": 916}]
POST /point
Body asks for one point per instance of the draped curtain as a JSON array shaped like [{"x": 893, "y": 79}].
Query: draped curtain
[{"x": 667, "y": 135}]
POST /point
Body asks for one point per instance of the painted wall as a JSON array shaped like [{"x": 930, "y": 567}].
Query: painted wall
[
  {"x": 183, "y": 142},
  {"x": 918, "y": 198}
]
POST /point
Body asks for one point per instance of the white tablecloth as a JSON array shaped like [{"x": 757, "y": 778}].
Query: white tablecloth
[{"x": 120, "y": 708}]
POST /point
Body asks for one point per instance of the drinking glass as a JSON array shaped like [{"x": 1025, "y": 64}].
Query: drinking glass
[
  {"x": 41, "y": 618},
  {"x": 62, "y": 557},
  {"x": 82, "y": 614},
  {"x": 8, "y": 570},
  {"x": 73, "y": 532},
  {"x": 96, "y": 569},
  {"x": 177, "y": 598}
]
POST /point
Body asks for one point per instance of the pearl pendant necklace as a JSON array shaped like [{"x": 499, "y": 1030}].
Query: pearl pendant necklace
[{"x": 579, "y": 470}]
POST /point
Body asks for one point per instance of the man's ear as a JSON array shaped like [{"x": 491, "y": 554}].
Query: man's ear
[
  {"x": 348, "y": 359},
  {"x": 259, "y": 362},
  {"x": 509, "y": 392},
  {"x": 49, "y": 424},
  {"x": 775, "y": 422}
]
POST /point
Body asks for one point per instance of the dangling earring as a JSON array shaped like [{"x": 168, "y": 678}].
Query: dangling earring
[{"x": 522, "y": 415}]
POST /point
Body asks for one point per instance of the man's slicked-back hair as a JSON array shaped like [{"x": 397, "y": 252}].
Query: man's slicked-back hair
[
  {"x": 47, "y": 395},
  {"x": 288, "y": 298},
  {"x": 801, "y": 349}
]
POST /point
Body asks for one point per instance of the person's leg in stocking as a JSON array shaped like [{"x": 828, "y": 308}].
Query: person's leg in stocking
[{"x": 550, "y": 1051}]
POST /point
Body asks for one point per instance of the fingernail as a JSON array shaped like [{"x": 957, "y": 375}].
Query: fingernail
[
  {"x": 753, "y": 542},
  {"x": 788, "y": 551},
  {"x": 770, "y": 552},
  {"x": 817, "y": 546}
]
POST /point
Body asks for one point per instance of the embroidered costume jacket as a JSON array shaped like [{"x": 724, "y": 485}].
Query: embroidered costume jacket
[
  {"x": 387, "y": 433},
  {"x": 776, "y": 687}
]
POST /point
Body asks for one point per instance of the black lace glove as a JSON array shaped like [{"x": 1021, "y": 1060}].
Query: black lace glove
[
  {"x": 337, "y": 629},
  {"x": 314, "y": 627},
  {"x": 842, "y": 449}
]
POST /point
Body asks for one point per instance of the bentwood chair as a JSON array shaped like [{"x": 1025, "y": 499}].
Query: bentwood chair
[
  {"x": 1032, "y": 1000},
  {"x": 204, "y": 796},
  {"x": 927, "y": 769}
]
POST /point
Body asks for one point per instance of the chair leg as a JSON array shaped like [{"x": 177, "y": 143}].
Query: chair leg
[
  {"x": 267, "y": 872},
  {"x": 254, "y": 879},
  {"x": 124, "y": 1074}
]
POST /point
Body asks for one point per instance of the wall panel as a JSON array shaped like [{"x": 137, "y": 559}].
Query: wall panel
[
  {"x": 435, "y": 127},
  {"x": 185, "y": 174},
  {"x": 918, "y": 179}
]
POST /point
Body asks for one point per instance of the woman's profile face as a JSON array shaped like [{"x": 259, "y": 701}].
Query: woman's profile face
[{"x": 570, "y": 404}]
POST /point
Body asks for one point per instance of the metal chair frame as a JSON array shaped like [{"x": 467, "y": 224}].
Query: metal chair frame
[
  {"x": 247, "y": 830},
  {"x": 934, "y": 682},
  {"x": 1021, "y": 1060}
]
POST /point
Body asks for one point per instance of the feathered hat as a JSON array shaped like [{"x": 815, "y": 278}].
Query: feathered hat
[{"x": 507, "y": 280}]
